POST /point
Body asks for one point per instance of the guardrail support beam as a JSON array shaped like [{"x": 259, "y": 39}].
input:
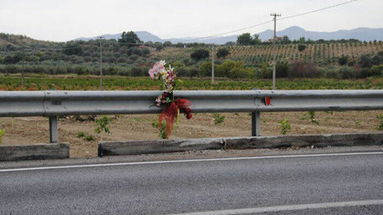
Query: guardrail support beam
[
  {"x": 256, "y": 123},
  {"x": 53, "y": 129}
]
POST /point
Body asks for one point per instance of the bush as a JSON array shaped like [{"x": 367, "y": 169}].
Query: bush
[
  {"x": 72, "y": 49},
  {"x": 282, "y": 69},
  {"x": 376, "y": 70},
  {"x": 145, "y": 52},
  {"x": 285, "y": 126},
  {"x": 205, "y": 68},
  {"x": 2, "y": 132},
  {"x": 332, "y": 74},
  {"x": 343, "y": 60},
  {"x": 103, "y": 124},
  {"x": 199, "y": 54},
  {"x": 265, "y": 71},
  {"x": 81, "y": 134},
  {"x": 365, "y": 61},
  {"x": 218, "y": 118},
  {"x": 329, "y": 71},
  {"x": 89, "y": 138},
  {"x": 233, "y": 69},
  {"x": 380, "y": 125},
  {"x": 301, "y": 47},
  {"x": 240, "y": 73},
  {"x": 222, "y": 53},
  {"x": 311, "y": 116},
  {"x": 303, "y": 70},
  {"x": 347, "y": 72},
  {"x": 135, "y": 51}
]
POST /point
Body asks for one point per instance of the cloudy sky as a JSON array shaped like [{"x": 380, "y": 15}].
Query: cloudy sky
[{"x": 62, "y": 20}]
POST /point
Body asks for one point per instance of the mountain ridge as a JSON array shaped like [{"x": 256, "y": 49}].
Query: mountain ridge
[{"x": 294, "y": 33}]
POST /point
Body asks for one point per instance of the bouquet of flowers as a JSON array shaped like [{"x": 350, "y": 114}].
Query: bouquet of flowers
[{"x": 172, "y": 106}]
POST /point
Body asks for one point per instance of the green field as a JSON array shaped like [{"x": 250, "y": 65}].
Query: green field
[{"x": 74, "y": 82}]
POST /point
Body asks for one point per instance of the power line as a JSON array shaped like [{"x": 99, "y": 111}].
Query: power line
[
  {"x": 317, "y": 10},
  {"x": 240, "y": 29},
  {"x": 285, "y": 17}
]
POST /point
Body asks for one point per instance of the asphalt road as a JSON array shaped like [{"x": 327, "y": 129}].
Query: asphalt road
[{"x": 349, "y": 183}]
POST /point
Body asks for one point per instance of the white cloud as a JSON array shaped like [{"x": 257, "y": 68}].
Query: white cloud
[{"x": 61, "y": 20}]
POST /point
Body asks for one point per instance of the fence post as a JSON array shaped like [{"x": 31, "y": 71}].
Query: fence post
[
  {"x": 53, "y": 130},
  {"x": 256, "y": 123}
]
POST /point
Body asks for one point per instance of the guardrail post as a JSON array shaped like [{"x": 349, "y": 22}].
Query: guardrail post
[
  {"x": 53, "y": 130},
  {"x": 256, "y": 123}
]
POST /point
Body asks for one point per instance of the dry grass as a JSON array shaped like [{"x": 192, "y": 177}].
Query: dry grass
[{"x": 33, "y": 130}]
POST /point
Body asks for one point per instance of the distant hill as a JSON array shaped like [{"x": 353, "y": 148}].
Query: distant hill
[
  {"x": 143, "y": 35},
  {"x": 294, "y": 33},
  {"x": 19, "y": 40}
]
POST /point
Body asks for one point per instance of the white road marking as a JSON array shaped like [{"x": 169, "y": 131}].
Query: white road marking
[
  {"x": 281, "y": 208},
  {"x": 189, "y": 161}
]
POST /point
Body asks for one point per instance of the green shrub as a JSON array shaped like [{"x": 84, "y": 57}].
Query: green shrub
[
  {"x": 376, "y": 70},
  {"x": 218, "y": 118},
  {"x": 347, "y": 72},
  {"x": 343, "y": 60},
  {"x": 2, "y": 133},
  {"x": 222, "y": 53},
  {"x": 301, "y": 47},
  {"x": 162, "y": 129},
  {"x": 282, "y": 69},
  {"x": 89, "y": 138},
  {"x": 285, "y": 126},
  {"x": 226, "y": 68},
  {"x": 332, "y": 74},
  {"x": 312, "y": 117},
  {"x": 199, "y": 54},
  {"x": 265, "y": 71},
  {"x": 102, "y": 124},
  {"x": 380, "y": 118},
  {"x": 303, "y": 70},
  {"x": 81, "y": 134},
  {"x": 205, "y": 69}
]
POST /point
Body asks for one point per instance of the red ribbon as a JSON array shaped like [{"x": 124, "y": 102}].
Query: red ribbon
[{"x": 170, "y": 113}]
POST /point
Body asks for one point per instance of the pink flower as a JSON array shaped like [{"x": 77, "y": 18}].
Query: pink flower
[
  {"x": 152, "y": 73},
  {"x": 156, "y": 69}
]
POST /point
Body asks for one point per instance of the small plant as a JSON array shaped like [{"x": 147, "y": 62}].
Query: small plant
[
  {"x": 380, "y": 118},
  {"x": 161, "y": 128},
  {"x": 285, "y": 126},
  {"x": 2, "y": 132},
  {"x": 85, "y": 136},
  {"x": 311, "y": 116},
  {"x": 103, "y": 125},
  {"x": 218, "y": 118},
  {"x": 81, "y": 134},
  {"x": 89, "y": 138}
]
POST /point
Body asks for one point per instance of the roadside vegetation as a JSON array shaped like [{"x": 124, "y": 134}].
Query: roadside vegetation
[
  {"x": 75, "y": 82},
  {"x": 248, "y": 58},
  {"x": 285, "y": 126},
  {"x": 2, "y": 133}
]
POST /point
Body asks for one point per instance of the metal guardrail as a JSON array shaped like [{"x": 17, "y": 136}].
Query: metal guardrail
[{"x": 56, "y": 103}]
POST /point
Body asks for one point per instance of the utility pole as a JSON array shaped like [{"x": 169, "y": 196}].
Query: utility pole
[
  {"x": 274, "y": 41},
  {"x": 101, "y": 87},
  {"x": 212, "y": 64}
]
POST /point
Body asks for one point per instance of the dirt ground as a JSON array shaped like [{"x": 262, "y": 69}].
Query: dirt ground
[{"x": 34, "y": 130}]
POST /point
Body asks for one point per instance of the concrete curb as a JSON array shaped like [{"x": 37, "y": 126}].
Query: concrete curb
[
  {"x": 158, "y": 146},
  {"x": 324, "y": 140},
  {"x": 34, "y": 152},
  {"x": 182, "y": 145}
]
